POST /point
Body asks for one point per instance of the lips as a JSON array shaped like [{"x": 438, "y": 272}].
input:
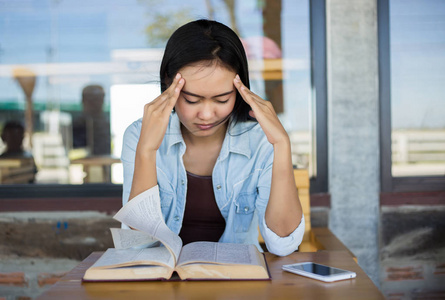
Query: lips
[{"x": 205, "y": 126}]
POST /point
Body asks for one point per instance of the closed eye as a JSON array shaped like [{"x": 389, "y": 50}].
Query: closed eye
[{"x": 188, "y": 101}]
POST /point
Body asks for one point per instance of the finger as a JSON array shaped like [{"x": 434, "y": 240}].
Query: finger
[
  {"x": 169, "y": 91},
  {"x": 157, "y": 103},
  {"x": 174, "y": 94},
  {"x": 174, "y": 84},
  {"x": 161, "y": 100},
  {"x": 248, "y": 96},
  {"x": 242, "y": 91}
]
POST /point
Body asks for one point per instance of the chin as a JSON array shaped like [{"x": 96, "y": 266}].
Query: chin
[{"x": 205, "y": 132}]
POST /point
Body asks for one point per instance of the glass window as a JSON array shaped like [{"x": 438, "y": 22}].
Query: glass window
[
  {"x": 75, "y": 74},
  {"x": 417, "y": 55}
]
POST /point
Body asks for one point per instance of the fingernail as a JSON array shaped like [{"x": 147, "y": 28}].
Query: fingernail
[
  {"x": 178, "y": 76},
  {"x": 237, "y": 77}
]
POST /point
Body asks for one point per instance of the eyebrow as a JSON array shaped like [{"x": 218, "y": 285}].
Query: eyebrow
[{"x": 216, "y": 96}]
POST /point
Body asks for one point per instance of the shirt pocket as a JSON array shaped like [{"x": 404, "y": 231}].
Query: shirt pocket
[
  {"x": 166, "y": 202},
  {"x": 244, "y": 211}
]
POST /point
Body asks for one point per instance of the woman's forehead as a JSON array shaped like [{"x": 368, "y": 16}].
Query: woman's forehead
[
  {"x": 205, "y": 68},
  {"x": 199, "y": 78}
]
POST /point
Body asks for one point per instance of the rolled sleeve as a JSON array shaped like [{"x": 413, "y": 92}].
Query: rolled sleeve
[
  {"x": 276, "y": 244},
  {"x": 283, "y": 246}
]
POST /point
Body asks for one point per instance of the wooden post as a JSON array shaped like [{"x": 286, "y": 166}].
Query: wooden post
[
  {"x": 27, "y": 80},
  {"x": 272, "y": 30}
]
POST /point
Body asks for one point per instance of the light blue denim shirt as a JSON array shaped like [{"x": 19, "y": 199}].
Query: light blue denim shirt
[{"x": 241, "y": 181}]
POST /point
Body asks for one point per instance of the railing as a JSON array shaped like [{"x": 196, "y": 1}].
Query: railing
[
  {"x": 412, "y": 146},
  {"x": 414, "y": 152},
  {"x": 418, "y": 152}
]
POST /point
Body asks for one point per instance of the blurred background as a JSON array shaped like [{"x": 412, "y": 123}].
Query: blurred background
[
  {"x": 117, "y": 46},
  {"x": 358, "y": 85}
]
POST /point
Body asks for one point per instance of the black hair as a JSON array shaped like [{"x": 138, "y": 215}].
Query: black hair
[
  {"x": 13, "y": 125},
  {"x": 93, "y": 90},
  {"x": 207, "y": 41}
]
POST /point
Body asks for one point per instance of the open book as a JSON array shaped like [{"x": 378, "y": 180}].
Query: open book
[{"x": 154, "y": 252}]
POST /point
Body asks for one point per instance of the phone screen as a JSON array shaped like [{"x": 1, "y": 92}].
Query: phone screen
[{"x": 318, "y": 269}]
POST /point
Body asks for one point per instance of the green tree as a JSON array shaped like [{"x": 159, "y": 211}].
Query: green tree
[
  {"x": 164, "y": 25},
  {"x": 164, "y": 22}
]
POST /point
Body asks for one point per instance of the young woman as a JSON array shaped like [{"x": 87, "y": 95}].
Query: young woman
[{"x": 217, "y": 151}]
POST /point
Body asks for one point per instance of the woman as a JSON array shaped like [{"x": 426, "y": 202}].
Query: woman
[{"x": 217, "y": 151}]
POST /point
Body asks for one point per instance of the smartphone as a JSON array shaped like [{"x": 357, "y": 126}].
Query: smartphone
[{"x": 319, "y": 272}]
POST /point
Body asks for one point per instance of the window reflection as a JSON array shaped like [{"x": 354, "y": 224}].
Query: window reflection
[
  {"x": 96, "y": 63},
  {"x": 17, "y": 165},
  {"x": 417, "y": 89}
]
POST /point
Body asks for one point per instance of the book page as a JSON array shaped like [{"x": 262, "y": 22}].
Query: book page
[
  {"x": 221, "y": 253},
  {"x": 143, "y": 213},
  {"x": 135, "y": 239},
  {"x": 126, "y": 257}
]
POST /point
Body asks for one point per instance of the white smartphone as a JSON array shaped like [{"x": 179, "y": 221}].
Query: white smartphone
[{"x": 320, "y": 272}]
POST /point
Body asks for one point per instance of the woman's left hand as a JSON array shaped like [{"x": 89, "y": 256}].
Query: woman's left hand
[
  {"x": 283, "y": 211},
  {"x": 264, "y": 113}
]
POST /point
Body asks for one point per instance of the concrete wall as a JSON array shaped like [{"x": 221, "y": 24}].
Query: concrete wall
[{"x": 353, "y": 127}]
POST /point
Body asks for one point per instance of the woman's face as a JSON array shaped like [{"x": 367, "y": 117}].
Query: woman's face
[{"x": 206, "y": 100}]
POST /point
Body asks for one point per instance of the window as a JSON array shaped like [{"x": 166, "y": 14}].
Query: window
[
  {"x": 412, "y": 72},
  {"x": 75, "y": 74}
]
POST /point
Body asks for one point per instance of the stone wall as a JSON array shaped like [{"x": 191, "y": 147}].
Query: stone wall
[
  {"x": 412, "y": 254},
  {"x": 36, "y": 249}
]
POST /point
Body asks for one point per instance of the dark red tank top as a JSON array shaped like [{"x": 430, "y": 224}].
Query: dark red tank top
[{"x": 202, "y": 218}]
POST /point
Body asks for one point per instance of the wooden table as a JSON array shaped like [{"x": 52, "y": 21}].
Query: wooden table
[
  {"x": 17, "y": 170},
  {"x": 283, "y": 285}
]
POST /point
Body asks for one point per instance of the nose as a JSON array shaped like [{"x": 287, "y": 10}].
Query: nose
[{"x": 206, "y": 111}]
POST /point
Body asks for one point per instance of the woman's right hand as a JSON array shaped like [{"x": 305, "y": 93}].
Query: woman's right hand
[{"x": 156, "y": 117}]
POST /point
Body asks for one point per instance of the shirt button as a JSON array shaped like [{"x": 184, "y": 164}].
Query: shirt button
[
  {"x": 218, "y": 187},
  {"x": 246, "y": 208},
  {"x": 182, "y": 182},
  {"x": 176, "y": 218}
]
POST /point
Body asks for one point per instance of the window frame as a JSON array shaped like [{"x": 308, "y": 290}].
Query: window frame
[
  {"x": 390, "y": 183},
  {"x": 317, "y": 15},
  {"x": 318, "y": 183}
]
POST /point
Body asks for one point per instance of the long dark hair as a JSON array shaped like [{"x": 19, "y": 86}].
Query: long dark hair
[{"x": 207, "y": 41}]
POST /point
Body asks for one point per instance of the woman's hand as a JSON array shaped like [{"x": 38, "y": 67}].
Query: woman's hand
[
  {"x": 283, "y": 213},
  {"x": 264, "y": 113},
  {"x": 156, "y": 116},
  {"x": 154, "y": 125}
]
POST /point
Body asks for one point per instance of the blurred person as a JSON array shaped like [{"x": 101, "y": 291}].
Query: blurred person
[
  {"x": 91, "y": 130},
  {"x": 12, "y": 135}
]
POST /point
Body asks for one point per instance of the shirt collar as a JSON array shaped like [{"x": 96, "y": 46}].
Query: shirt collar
[
  {"x": 173, "y": 134},
  {"x": 237, "y": 139}
]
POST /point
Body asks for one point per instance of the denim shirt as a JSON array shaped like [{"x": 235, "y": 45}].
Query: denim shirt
[{"x": 241, "y": 180}]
